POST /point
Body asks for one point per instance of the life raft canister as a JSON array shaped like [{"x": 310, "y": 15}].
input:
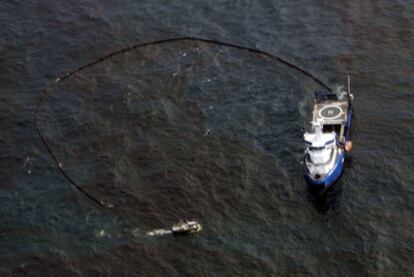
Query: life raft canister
[{"x": 348, "y": 146}]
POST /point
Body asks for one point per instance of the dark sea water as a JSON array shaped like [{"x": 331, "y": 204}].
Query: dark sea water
[{"x": 190, "y": 130}]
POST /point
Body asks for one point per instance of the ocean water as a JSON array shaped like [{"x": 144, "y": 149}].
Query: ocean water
[{"x": 193, "y": 130}]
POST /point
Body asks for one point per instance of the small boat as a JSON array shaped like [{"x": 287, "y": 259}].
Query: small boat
[
  {"x": 329, "y": 138},
  {"x": 186, "y": 227}
]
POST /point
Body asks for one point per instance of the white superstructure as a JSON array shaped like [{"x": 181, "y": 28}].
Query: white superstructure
[{"x": 321, "y": 152}]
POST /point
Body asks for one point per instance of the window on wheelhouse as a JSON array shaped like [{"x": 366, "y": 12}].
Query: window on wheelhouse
[{"x": 316, "y": 155}]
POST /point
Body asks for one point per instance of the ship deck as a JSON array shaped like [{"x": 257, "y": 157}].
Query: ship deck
[{"x": 330, "y": 112}]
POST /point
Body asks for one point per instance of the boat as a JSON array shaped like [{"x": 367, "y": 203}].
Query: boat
[
  {"x": 329, "y": 139},
  {"x": 186, "y": 227}
]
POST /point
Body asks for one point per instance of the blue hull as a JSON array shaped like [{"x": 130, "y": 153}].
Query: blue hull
[{"x": 330, "y": 178}]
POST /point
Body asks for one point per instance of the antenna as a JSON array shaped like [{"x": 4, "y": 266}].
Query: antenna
[{"x": 349, "y": 84}]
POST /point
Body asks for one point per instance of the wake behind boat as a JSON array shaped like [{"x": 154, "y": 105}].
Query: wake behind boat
[{"x": 328, "y": 139}]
